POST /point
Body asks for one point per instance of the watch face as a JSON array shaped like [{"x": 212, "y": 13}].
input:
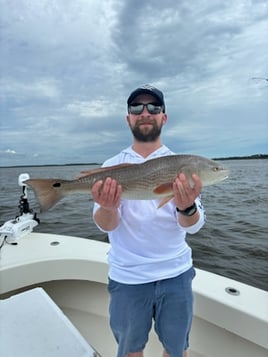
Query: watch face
[{"x": 190, "y": 211}]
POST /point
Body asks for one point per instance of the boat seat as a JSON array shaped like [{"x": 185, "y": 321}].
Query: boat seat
[{"x": 33, "y": 325}]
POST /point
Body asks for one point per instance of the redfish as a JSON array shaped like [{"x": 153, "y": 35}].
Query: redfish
[{"x": 152, "y": 179}]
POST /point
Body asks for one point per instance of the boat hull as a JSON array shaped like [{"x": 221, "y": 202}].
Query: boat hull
[{"x": 73, "y": 271}]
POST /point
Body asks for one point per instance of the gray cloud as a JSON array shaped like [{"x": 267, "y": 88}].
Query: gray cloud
[{"x": 67, "y": 68}]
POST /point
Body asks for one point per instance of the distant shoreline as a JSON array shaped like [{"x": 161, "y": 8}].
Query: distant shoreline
[
  {"x": 51, "y": 165},
  {"x": 250, "y": 157}
]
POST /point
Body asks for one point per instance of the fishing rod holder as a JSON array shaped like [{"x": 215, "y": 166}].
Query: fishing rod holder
[{"x": 12, "y": 230}]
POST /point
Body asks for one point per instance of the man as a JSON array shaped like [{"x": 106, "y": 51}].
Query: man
[{"x": 150, "y": 275}]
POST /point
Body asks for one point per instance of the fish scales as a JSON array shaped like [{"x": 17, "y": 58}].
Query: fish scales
[
  {"x": 139, "y": 180},
  {"x": 151, "y": 179}
]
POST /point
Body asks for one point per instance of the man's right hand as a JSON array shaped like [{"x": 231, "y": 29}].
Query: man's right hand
[{"x": 107, "y": 194}]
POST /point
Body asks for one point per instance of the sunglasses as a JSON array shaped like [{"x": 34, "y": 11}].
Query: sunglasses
[{"x": 139, "y": 108}]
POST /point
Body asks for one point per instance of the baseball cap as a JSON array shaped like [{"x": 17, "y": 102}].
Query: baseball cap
[{"x": 148, "y": 89}]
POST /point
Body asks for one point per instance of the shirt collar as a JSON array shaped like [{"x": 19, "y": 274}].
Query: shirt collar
[{"x": 163, "y": 150}]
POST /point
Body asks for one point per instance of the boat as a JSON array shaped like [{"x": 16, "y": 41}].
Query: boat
[{"x": 70, "y": 275}]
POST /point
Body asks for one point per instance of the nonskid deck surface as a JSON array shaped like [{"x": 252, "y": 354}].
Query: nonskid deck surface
[
  {"x": 73, "y": 271},
  {"x": 92, "y": 334},
  {"x": 85, "y": 304}
]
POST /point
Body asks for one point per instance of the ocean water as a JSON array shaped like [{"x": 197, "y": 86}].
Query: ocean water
[{"x": 233, "y": 242}]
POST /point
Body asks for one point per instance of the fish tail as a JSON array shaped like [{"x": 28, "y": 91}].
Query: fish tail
[{"x": 47, "y": 191}]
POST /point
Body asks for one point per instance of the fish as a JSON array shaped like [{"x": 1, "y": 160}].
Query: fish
[{"x": 152, "y": 179}]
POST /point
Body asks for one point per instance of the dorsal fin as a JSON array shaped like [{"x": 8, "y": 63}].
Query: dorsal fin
[{"x": 102, "y": 169}]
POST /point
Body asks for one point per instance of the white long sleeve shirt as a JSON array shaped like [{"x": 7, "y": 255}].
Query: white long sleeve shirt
[{"x": 148, "y": 244}]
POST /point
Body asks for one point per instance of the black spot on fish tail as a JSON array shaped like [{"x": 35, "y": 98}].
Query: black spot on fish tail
[
  {"x": 48, "y": 191},
  {"x": 57, "y": 184}
]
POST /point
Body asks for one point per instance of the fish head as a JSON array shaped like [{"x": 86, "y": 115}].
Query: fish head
[{"x": 211, "y": 171}]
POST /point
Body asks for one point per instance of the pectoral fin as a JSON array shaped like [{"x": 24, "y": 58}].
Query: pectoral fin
[
  {"x": 165, "y": 200},
  {"x": 165, "y": 188}
]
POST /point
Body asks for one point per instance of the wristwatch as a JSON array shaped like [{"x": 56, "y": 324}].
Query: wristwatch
[{"x": 190, "y": 211}]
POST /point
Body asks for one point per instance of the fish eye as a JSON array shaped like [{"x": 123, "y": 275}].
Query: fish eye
[{"x": 216, "y": 168}]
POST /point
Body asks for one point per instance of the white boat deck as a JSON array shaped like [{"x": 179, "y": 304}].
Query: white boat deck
[
  {"x": 73, "y": 271},
  {"x": 25, "y": 319}
]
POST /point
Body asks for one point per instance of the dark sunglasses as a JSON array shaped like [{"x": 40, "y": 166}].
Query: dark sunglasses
[{"x": 139, "y": 108}]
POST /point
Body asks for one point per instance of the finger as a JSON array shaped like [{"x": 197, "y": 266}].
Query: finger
[
  {"x": 185, "y": 182},
  {"x": 197, "y": 185},
  {"x": 184, "y": 193},
  {"x": 96, "y": 188},
  {"x": 118, "y": 192},
  {"x": 106, "y": 186},
  {"x": 197, "y": 182},
  {"x": 109, "y": 189},
  {"x": 183, "y": 185},
  {"x": 110, "y": 194},
  {"x": 179, "y": 191}
]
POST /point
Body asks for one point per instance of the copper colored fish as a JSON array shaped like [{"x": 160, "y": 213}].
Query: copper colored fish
[{"x": 152, "y": 179}]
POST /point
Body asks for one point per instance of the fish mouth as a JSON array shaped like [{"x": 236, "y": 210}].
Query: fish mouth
[{"x": 225, "y": 174}]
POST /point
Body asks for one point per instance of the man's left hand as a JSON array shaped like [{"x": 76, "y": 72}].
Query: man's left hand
[{"x": 184, "y": 193}]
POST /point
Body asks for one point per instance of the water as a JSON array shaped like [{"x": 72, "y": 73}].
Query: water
[{"x": 233, "y": 243}]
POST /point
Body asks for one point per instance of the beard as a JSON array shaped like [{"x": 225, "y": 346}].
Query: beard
[{"x": 146, "y": 134}]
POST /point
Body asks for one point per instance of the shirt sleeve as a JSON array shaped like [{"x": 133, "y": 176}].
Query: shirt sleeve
[
  {"x": 96, "y": 206},
  {"x": 202, "y": 218}
]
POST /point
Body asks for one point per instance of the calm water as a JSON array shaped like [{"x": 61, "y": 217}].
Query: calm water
[{"x": 233, "y": 243}]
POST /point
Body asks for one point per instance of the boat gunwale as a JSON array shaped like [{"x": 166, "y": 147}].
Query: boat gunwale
[{"x": 71, "y": 259}]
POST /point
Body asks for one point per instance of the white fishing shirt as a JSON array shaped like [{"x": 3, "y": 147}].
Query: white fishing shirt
[{"x": 148, "y": 244}]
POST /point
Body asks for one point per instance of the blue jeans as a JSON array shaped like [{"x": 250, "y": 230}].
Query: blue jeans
[{"x": 168, "y": 302}]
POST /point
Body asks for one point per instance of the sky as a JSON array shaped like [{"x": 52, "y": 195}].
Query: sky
[{"x": 68, "y": 66}]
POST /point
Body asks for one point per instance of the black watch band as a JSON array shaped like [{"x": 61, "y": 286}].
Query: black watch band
[{"x": 190, "y": 211}]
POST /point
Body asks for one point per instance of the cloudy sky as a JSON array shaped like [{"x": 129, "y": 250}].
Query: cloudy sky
[{"x": 67, "y": 67}]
